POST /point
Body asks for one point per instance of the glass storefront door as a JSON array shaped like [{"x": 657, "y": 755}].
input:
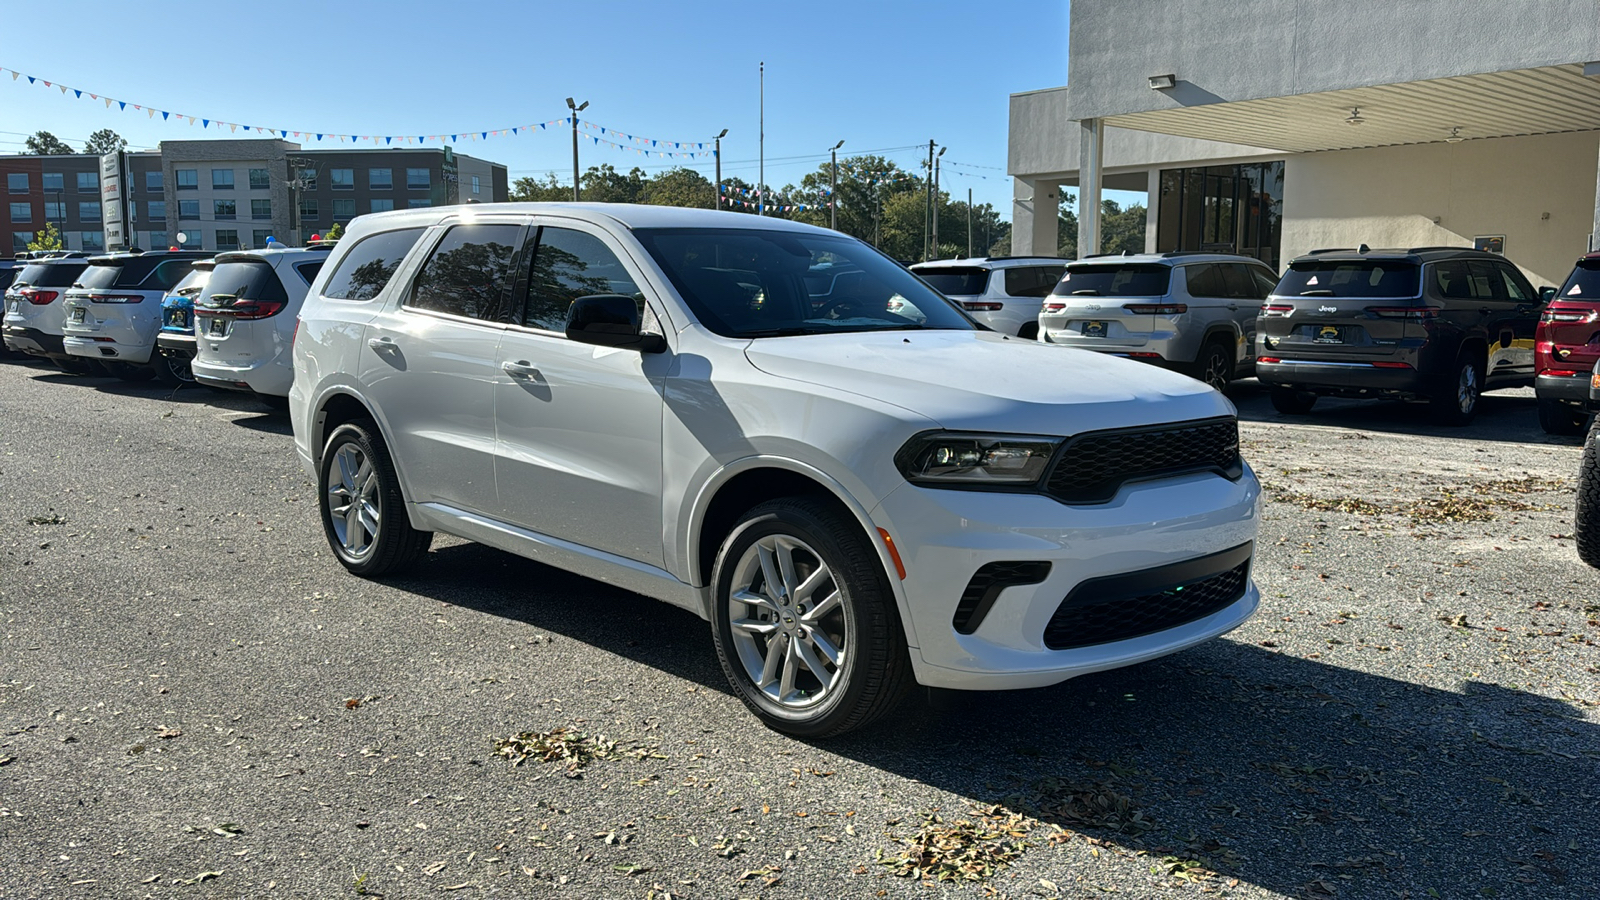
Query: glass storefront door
[{"x": 1223, "y": 209}]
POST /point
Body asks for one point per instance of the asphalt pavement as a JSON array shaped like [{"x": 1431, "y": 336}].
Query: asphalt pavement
[{"x": 197, "y": 701}]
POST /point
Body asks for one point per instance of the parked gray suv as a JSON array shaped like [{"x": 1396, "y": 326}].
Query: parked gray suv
[{"x": 1193, "y": 312}]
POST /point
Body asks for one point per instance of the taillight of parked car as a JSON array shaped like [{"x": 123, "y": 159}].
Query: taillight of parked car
[
  {"x": 1567, "y": 316},
  {"x": 116, "y": 298},
  {"x": 1417, "y": 313},
  {"x": 1156, "y": 309},
  {"x": 1054, "y": 307},
  {"x": 39, "y": 297},
  {"x": 255, "y": 309},
  {"x": 984, "y": 307},
  {"x": 1276, "y": 310}
]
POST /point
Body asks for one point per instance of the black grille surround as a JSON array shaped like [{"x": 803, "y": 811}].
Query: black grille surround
[
  {"x": 1093, "y": 466},
  {"x": 1119, "y": 607}
]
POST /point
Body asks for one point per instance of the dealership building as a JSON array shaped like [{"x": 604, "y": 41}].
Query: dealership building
[{"x": 1273, "y": 128}]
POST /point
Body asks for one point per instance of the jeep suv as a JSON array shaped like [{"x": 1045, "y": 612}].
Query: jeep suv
[
  {"x": 1193, "y": 312},
  {"x": 1441, "y": 324},
  {"x": 1002, "y": 292},
  {"x": 1566, "y": 347},
  {"x": 853, "y": 496}
]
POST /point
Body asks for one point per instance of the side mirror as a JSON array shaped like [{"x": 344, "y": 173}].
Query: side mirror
[
  {"x": 610, "y": 320},
  {"x": 1546, "y": 294}
]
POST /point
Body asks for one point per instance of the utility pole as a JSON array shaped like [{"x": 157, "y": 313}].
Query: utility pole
[
  {"x": 969, "y": 223},
  {"x": 833, "y": 188},
  {"x": 877, "y": 214},
  {"x": 937, "y": 200},
  {"x": 575, "y": 111},
  {"x": 761, "y": 175},
  {"x": 717, "y": 200},
  {"x": 927, "y": 206}
]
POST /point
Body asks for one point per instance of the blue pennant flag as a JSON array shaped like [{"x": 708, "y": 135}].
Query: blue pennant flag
[
  {"x": 284, "y": 133},
  {"x": 121, "y": 105},
  {"x": 78, "y": 92},
  {"x": 452, "y": 139},
  {"x": 514, "y": 131},
  {"x": 30, "y": 79},
  {"x": 541, "y": 126},
  {"x": 388, "y": 140},
  {"x": 319, "y": 137},
  {"x": 163, "y": 117},
  {"x": 205, "y": 123}
]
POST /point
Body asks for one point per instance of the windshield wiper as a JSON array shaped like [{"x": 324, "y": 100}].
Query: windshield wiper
[
  {"x": 1319, "y": 292},
  {"x": 1086, "y": 292}
]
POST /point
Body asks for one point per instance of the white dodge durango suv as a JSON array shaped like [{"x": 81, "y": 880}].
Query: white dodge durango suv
[{"x": 856, "y": 490}]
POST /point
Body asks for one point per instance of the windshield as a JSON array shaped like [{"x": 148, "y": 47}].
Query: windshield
[
  {"x": 757, "y": 283},
  {"x": 241, "y": 281},
  {"x": 1128, "y": 280},
  {"x": 56, "y": 275},
  {"x": 950, "y": 282},
  {"x": 1350, "y": 278},
  {"x": 1583, "y": 283}
]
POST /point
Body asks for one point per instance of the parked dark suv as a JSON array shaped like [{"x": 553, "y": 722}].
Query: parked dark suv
[
  {"x": 1566, "y": 347},
  {"x": 1441, "y": 324}
]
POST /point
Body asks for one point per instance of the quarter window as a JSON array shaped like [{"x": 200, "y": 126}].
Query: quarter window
[
  {"x": 567, "y": 265},
  {"x": 469, "y": 274},
  {"x": 1033, "y": 281},
  {"x": 1517, "y": 288},
  {"x": 369, "y": 265},
  {"x": 1205, "y": 281}
]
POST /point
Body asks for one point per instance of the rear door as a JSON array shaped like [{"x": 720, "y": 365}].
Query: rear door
[
  {"x": 1333, "y": 310},
  {"x": 1517, "y": 319}
]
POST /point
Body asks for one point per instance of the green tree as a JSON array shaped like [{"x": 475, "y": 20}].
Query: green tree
[
  {"x": 105, "y": 141},
  {"x": 48, "y": 238},
  {"x": 865, "y": 185},
  {"x": 545, "y": 191},
  {"x": 679, "y": 187},
  {"x": 334, "y": 233},
  {"x": 43, "y": 143},
  {"x": 604, "y": 184},
  {"x": 1121, "y": 230}
]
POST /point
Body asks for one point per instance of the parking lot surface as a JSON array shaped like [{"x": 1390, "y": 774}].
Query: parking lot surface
[{"x": 197, "y": 701}]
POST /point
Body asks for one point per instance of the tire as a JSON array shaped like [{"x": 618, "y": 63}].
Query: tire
[
  {"x": 356, "y": 474},
  {"x": 129, "y": 372},
  {"x": 173, "y": 369},
  {"x": 1456, "y": 401},
  {"x": 77, "y": 365},
  {"x": 1215, "y": 365},
  {"x": 1587, "y": 521},
  {"x": 858, "y": 667},
  {"x": 1291, "y": 402},
  {"x": 1556, "y": 417},
  {"x": 1029, "y": 332}
]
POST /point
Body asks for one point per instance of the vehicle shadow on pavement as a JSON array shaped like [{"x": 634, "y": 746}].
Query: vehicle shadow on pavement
[
  {"x": 1224, "y": 761},
  {"x": 1502, "y": 416}
]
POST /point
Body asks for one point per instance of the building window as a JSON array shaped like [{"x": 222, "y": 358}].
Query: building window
[
  {"x": 342, "y": 179},
  {"x": 419, "y": 202},
  {"x": 418, "y": 180},
  {"x": 55, "y": 211},
  {"x": 382, "y": 205},
  {"x": 89, "y": 211},
  {"x": 258, "y": 237},
  {"x": 260, "y": 209},
  {"x": 17, "y": 182},
  {"x": 224, "y": 209},
  {"x": 157, "y": 210},
  {"x": 344, "y": 208},
  {"x": 309, "y": 210},
  {"x": 191, "y": 239},
  {"x": 158, "y": 241},
  {"x": 222, "y": 179},
  {"x": 22, "y": 212},
  {"x": 227, "y": 239},
  {"x": 189, "y": 209},
  {"x": 380, "y": 179},
  {"x": 308, "y": 179},
  {"x": 89, "y": 182},
  {"x": 1223, "y": 209},
  {"x": 259, "y": 180},
  {"x": 20, "y": 240},
  {"x": 188, "y": 179},
  {"x": 93, "y": 240},
  {"x": 54, "y": 181},
  {"x": 153, "y": 183},
  {"x": 475, "y": 184}
]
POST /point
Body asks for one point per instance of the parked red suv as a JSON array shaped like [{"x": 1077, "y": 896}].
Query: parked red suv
[{"x": 1566, "y": 348}]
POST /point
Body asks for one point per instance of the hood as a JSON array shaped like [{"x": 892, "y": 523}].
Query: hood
[{"x": 982, "y": 381}]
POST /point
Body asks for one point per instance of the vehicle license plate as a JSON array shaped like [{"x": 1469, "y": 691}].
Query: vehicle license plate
[
  {"x": 1328, "y": 334},
  {"x": 78, "y": 313},
  {"x": 1095, "y": 329},
  {"x": 179, "y": 319},
  {"x": 218, "y": 327}
]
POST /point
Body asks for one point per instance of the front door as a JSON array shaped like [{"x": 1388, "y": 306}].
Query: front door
[{"x": 579, "y": 450}]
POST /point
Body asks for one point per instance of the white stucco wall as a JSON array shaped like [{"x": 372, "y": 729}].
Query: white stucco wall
[{"x": 1389, "y": 197}]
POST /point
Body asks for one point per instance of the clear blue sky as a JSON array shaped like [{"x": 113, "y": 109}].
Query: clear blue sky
[{"x": 880, "y": 75}]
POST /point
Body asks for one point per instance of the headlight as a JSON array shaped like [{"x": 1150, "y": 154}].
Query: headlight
[{"x": 958, "y": 459}]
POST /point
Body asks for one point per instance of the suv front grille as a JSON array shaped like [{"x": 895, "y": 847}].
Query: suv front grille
[
  {"x": 1093, "y": 466},
  {"x": 1119, "y": 607}
]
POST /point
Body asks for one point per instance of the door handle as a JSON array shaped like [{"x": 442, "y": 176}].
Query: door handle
[
  {"x": 520, "y": 369},
  {"x": 382, "y": 344}
]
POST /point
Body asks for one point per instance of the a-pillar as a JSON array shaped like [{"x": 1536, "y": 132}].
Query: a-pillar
[
  {"x": 1035, "y": 206},
  {"x": 1091, "y": 159}
]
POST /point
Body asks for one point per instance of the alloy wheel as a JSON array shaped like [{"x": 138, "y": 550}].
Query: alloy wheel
[
  {"x": 1467, "y": 388},
  {"x": 353, "y": 506},
  {"x": 787, "y": 621}
]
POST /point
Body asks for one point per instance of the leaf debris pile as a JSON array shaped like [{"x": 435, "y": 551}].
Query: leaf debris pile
[
  {"x": 1088, "y": 805},
  {"x": 562, "y": 745},
  {"x": 963, "y": 850}
]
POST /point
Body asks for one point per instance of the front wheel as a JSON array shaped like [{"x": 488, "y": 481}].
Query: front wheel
[
  {"x": 1291, "y": 402},
  {"x": 173, "y": 369},
  {"x": 1456, "y": 401},
  {"x": 1587, "y": 529},
  {"x": 363, "y": 511},
  {"x": 804, "y": 620}
]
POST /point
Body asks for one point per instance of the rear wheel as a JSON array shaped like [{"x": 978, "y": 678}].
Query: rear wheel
[
  {"x": 1556, "y": 417},
  {"x": 1456, "y": 401},
  {"x": 129, "y": 371},
  {"x": 1029, "y": 332},
  {"x": 804, "y": 620},
  {"x": 1587, "y": 530},
  {"x": 77, "y": 365},
  {"x": 363, "y": 511},
  {"x": 1215, "y": 365},
  {"x": 1291, "y": 402},
  {"x": 173, "y": 369}
]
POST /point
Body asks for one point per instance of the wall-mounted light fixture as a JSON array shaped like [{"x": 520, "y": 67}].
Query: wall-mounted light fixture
[
  {"x": 1163, "y": 82},
  {"x": 1355, "y": 117},
  {"x": 1455, "y": 135}
]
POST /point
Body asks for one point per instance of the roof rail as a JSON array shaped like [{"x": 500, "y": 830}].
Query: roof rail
[
  {"x": 1455, "y": 249},
  {"x": 1101, "y": 255},
  {"x": 1171, "y": 253},
  {"x": 999, "y": 258},
  {"x": 1322, "y": 250}
]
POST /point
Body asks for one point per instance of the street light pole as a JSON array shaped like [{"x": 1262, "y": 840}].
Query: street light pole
[
  {"x": 761, "y": 140},
  {"x": 969, "y": 223},
  {"x": 575, "y": 111},
  {"x": 717, "y": 200},
  {"x": 936, "y": 201},
  {"x": 833, "y": 188}
]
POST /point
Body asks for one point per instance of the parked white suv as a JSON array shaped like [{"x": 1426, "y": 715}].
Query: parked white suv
[
  {"x": 113, "y": 311},
  {"x": 1193, "y": 312},
  {"x": 244, "y": 318},
  {"x": 1003, "y": 292},
  {"x": 853, "y": 497},
  {"x": 33, "y": 313}
]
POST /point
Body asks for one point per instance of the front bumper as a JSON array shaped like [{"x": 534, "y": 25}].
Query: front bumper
[
  {"x": 1342, "y": 377},
  {"x": 945, "y": 537}
]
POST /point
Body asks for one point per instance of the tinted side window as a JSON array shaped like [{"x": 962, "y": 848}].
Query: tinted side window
[
  {"x": 370, "y": 264},
  {"x": 1236, "y": 278},
  {"x": 1266, "y": 282},
  {"x": 308, "y": 270},
  {"x": 1033, "y": 281},
  {"x": 1205, "y": 281},
  {"x": 1486, "y": 283},
  {"x": 469, "y": 273},
  {"x": 567, "y": 265},
  {"x": 1516, "y": 287}
]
